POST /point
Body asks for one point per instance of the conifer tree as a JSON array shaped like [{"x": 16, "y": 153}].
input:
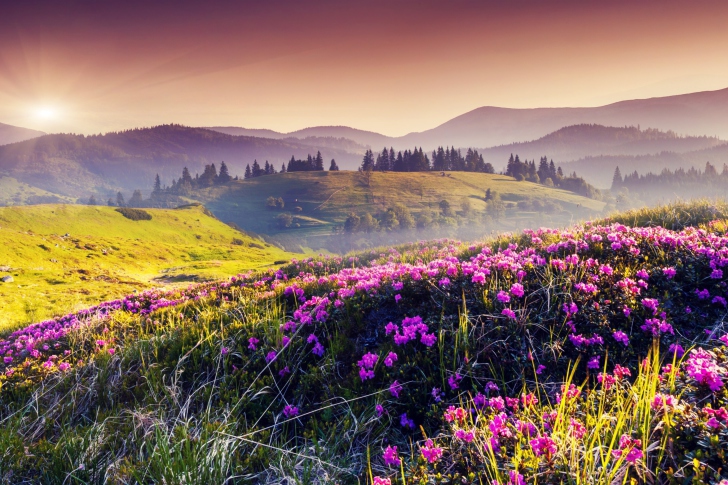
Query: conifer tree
[
  {"x": 318, "y": 162},
  {"x": 367, "y": 164},
  {"x": 186, "y": 177},
  {"x": 333, "y": 167},
  {"x": 157, "y": 186},
  {"x": 224, "y": 176},
  {"x": 256, "y": 171},
  {"x": 248, "y": 173},
  {"x": 120, "y": 198},
  {"x": 283, "y": 168},
  {"x": 136, "y": 199},
  {"x": 617, "y": 179}
]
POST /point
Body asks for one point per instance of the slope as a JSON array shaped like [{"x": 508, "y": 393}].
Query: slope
[
  {"x": 62, "y": 257},
  {"x": 13, "y": 134}
]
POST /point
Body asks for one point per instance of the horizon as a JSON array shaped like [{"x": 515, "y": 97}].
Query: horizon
[{"x": 90, "y": 68}]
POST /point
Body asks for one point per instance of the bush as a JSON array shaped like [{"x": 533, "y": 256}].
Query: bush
[{"x": 134, "y": 214}]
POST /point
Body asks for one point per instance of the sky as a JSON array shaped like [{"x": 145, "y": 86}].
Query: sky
[{"x": 390, "y": 66}]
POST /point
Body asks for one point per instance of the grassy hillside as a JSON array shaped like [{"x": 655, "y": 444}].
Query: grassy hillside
[
  {"x": 594, "y": 355},
  {"x": 13, "y": 192},
  {"x": 64, "y": 257},
  {"x": 325, "y": 200}
]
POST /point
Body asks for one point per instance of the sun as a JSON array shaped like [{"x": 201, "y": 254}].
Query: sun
[{"x": 46, "y": 113}]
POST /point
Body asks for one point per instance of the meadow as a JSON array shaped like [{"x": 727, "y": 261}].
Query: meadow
[
  {"x": 589, "y": 355},
  {"x": 67, "y": 257}
]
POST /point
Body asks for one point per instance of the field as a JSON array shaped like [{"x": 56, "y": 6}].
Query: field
[
  {"x": 592, "y": 355},
  {"x": 321, "y": 201},
  {"x": 14, "y": 192},
  {"x": 66, "y": 257}
]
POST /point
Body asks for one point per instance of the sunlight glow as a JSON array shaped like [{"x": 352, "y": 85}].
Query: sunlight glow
[{"x": 46, "y": 113}]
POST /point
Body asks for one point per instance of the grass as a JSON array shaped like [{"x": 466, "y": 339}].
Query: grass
[
  {"x": 106, "y": 255},
  {"x": 183, "y": 395},
  {"x": 327, "y": 198},
  {"x": 14, "y": 192}
]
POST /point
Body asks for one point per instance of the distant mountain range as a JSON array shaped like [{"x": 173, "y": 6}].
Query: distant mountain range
[
  {"x": 695, "y": 114},
  {"x": 14, "y": 134},
  {"x": 644, "y": 135},
  {"x": 77, "y": 165}
]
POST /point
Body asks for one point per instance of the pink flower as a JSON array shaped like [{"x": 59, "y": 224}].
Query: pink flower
[
  {"x": 397, "y": 297},
  {"x": 253, "y": 343},
  {"x": 380, "y": 410},
  {"x": 431, "y": 452},
  {"x": 64, "y": 366},
  {"x": 576, "y": 429},
  {"x": 593, "y": 362},
  {"x": 112, "y": 351},
  {"x": 467, "y": 436},
  {"x": 503, "y": 297},
  {"x": 395, "y": 388},
  {"x": 224, "y": 351},
  {"x": 543, "y": 446},
  {"x": 669, "y": 272},
  {"x": 391, "y": 458},
  {"x": 390, "y": 359},
  {"x": 540, "y": 369},
  {"x": 701, "y": 366},
  {"x": 517, "y": 290},
  {"x": 453, "y": 381},
  {"x": 381, "y": 481},
  {"x": 621, "y": 337},
  {"x": 509, "y": 313}
]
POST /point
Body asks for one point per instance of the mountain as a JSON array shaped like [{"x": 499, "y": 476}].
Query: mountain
[
  {"x": 694, "y": 114},
  {"x": 585, "y": 140},
  {"x": 77, "y": 165},
  {"x": 13, "y": 134},
  {"x": 361, "y": 137},
  {"x": 598, "y": 170}
]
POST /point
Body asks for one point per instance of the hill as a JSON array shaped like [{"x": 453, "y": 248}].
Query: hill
[
  {"x": 598, "y": 170},
  {"x": 361, "y": 137},
  {"x": 596, "y": 354},
  {"x": 693, "y": 114},
  {"x": 13, "y": 192},
  {"x": 63, "y": 257},
  {"x": 77, "y": 165},
  {"x": 319, "y": 202},
  {"x": 13, "y": 134},
  {"x": 580, "y": 141}
]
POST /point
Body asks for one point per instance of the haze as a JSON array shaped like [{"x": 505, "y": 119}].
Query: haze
[{"x": 390, "y": 67}]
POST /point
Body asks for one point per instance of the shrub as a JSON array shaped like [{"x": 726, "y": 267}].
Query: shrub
[{"x": 134, "y": 214}]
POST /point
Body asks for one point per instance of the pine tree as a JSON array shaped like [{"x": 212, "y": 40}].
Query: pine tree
[
  {"x": 248, "y": 173},
  {"x": 224, "y": 176},
  {"x": 333, "y": 167},
  {"x": 92, "y": 200},
  {"x": 617, "y": 180},
  {"x": 157, "y": 186},
  {"x": 266, "y": 170},
  {"x": 283, "y": 168},
  {"x": 110, "y": 202},
  {"x": 367, "y": 163},
  {"x": 256, "y": 171},
  {"x": 318, "y": 162},
  {"x": 136, "y": 199},
  {"x": 186, "y": 177},
  {"x": 120, "y": 198}
]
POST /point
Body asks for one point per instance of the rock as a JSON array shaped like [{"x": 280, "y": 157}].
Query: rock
[
  {"x": 7, "y": 279},
  {"x": 4, "y": 269}
]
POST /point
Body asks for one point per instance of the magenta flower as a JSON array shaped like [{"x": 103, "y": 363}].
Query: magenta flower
[
  {"x": 677, "y": 350},
  {"x": 224, "y": 351},
  {"x": 509, "y": 313},
  {"x": 669, "y": 272},
  {"x": 253, "y": 343},
  {"x": 290, "y": 411},
  {"x": 543, "y": 446},
  {"x": 391, "y": 458},
  {"x": 271, "y": 356},
  {"x": 593, "y": 362},
  {"x": 381, "y": 481},
  {"x": 380, "y": 410},
  {"x": 467, "y": 436},
  {"x": 621, "y": 337},
  {"x": 64, "y": 366},
  {"x": 701, "y": 366},
  {"x": 503, "y": 297},
  {"x": 397, "y": 297},
  {"x": 453, "y": 381},
  {"x": 390, "y": 359},
  {"x": 395, "y": 388},
  {"x": 112, "y": 351},
  {"x": 517, "y": 290},
  {"x": 431, "y": 452}
]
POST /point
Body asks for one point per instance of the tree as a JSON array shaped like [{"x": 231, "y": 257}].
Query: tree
[
  {"x": 283, "y": 168},
  {"x": 488, "y": 168},
  {"x": 224, "y": 176},
  {"x": 404, "y": 216},
  {"x": 248, "y": 173},
  {"x": 488, "y": 195},
  {"x": 351, "y": 224},
  {"x": 284, "y": 220},
  {"x": 120, "y": 197},
  {"x": 110, "y": 202},
  {"x": 445, "y": 208},
  {"x": 318, "y": 162},
  {"x": 256, "y": 171},
  {"x": 367, "y": 163},
  {"x": 92, "y": 200},
  {"x": 157, "y": 186},
  {"x": 136, "y": 199},
  {"x": 617, "y": 180},
  {"x": 368, "y": 224},
  {"x": 333, "y": 167},
  {"x": 186, "y": 177}
]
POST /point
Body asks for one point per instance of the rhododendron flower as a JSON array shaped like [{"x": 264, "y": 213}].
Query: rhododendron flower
[
  {"x": 540, "y": 369},
  {"x": 669, "y": 272},
  {"x": 431, "y": 452},
  {"x": 436, "y": 394},
  {"x": 253, "y": 343},
  {"x": 64, "y": 366},
  {"x": 428, "y": 339},
  {"x": 100, "y": 343},
  {"x": 397, "y": 297},
  {"x": 651, "y": 304},
  {"x": 453, "y": 380},
  {"x": 543, "y": 446},
  {"x": 621, "y": 372},
  {"x": 503, "y": 297},
  {"x": 701, "y": 366},
  {"x": 593, "y": 362},
  {"x": 627, "y": 311},
  {"x": 406, "y": 422},
  {"x": 517, "y": 290},
  {"x": 509, "y": 313},
  {"x": 454, "y": 414},
  {"x": 663, "y": 401},
  {"x": 621, "y": 337},
  {"x": 290, "y": 411},
  {"x": 284, "y": 371},
  {"x": 270, "y": 356},
  {"x": 381, "y": 481},
  {"x": 224, "y": 351},
  {"x": 716, "y": 274},
  {"x": 629, "y": 448},
  {"x": 677, "y": 350},
  {"x": 380, "y": 410},
  {"x": 391, "y": 458},
  {"x": 576, "y": 429},
  {"x": 395, "y": 388},
  {"x": 390, "y": 359},
  {"x": 111, "y": 351}
]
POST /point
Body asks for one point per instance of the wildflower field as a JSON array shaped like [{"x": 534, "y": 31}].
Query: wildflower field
[{"x": 597, "y": 354}]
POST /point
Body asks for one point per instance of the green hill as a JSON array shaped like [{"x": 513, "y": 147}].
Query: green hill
[
  {"x": 319, "y": 202},
  {"x": 62, "y": 257}
]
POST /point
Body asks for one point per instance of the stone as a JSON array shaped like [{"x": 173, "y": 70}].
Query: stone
[{"x": 7, "y": 279}]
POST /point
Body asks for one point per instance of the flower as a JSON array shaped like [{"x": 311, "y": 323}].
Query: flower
[
  {"x": 253, "y": 343},
  {"x": 381, "y": 481},
  {"x": 453, "y": 381},
  {"x": 467, "y": 436},
  {"x": 395, "y": 388},
  {"x": 540, "y": 369},
  {"x": 593, "y": 362},
  {"x": 390, "y": 359},
  {"x": 290, "y": 411},
  {"x": 224, "y": 351},
  {"x": 391, "y": 458},
  {"x": 701, "y": 366},
  {"x": 380, "y": 410},
  {"x": 503, "y": 297},
  {"x": 517, "y": 290},
  {"x": 543, "y": 446},
  {"x": 621, "y": 337},
  {"x": 509, "y": 313},
  {"x": 431, "y": 452},
  {"x": 406, "y": 422}
]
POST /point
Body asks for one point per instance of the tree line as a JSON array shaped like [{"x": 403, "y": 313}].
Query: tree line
[
  {"x": 669, "y": 179},
  {"x": 447, "y": 159},
  {"x": 546, "y": 173}
]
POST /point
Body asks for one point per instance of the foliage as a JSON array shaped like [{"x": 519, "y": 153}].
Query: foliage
[{"x": 134, "y": 214}]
